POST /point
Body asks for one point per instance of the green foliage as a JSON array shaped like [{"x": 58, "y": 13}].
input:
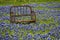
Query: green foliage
[{"x": 47, "y": 21}]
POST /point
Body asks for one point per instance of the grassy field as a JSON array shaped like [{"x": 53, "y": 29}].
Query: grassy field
[{"x": 20, "y": 2}]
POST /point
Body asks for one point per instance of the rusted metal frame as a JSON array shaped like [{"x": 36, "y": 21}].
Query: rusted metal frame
[
  {"x": 33, "y": 16},
  {"x": 24, "y": 21},
  {"x": 12, "y": 18},
  {"x": 10, "y": 15}
]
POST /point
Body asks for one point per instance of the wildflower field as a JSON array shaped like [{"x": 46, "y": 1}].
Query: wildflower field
[{"x": 47, "y": 26}]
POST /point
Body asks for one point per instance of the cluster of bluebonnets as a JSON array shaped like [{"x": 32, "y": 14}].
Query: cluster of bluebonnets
[{"x": 47, "y": 26}]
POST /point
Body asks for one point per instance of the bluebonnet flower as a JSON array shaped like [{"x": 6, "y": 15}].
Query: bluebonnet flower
[
  {"x": 44, "y": 36},
  {"x": 37, "y": 36},
  {"x": 11, "y": 28},
  {"x": 33, "y": 5},
  {"x": 1, "y": 13},
  {"x": 41, "y": 28},
  {"x": 4, "y": 9},
  {"x": 53, "y": 11},
  {"x": 6, "y": 17},
  {"x": 8, "y": 25},
  {"x": 18, "y": 10},
  {"x": 2, "y": 24},
  {"x": 50, "y": 6},
  {"x": 7, "y": 36},
  {"x": 29, "y": 36},
  {"x": 1, "y": 37},
  {"x": 55, "y": 6},
  {"x": 1, "y": 19},
  {"x": 50, "y": 33},
  {"x": 58, "y": 28},
  {"x": 2, "y": 29},
  {"x": 48, "y": 38},
  {"x": 36, "y": 28},
  {"x": 24, "y": 38},
  {"x": 6, "y": 33},
  {"x": 58, "y": 17},
  {"x": 7, "y": 8},
  {"x": 1, "y": 7},
  {"x": 20, "y": 25},
  {"x": 28, "y": 11},
  {"x": 28, "y": 27},
  {"x": 14, "y": 25},
  {"x": 57, "y": 35},
  {"x": 16, "y": 29},
  {"x": 43, "y": 5},
  {"x": 58, "y": 14},
  {"x": 40, "y": 11},
  {"x": 15, "y": 37}
]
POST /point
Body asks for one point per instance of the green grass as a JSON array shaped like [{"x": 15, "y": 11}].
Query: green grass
[{"x": 17, "y": 2}]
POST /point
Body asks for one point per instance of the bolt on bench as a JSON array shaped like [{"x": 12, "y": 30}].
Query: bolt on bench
[{"x": 19, "y": 11}]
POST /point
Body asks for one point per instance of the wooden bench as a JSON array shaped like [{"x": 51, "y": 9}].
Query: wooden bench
[{"x": 24, "y": 13}]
